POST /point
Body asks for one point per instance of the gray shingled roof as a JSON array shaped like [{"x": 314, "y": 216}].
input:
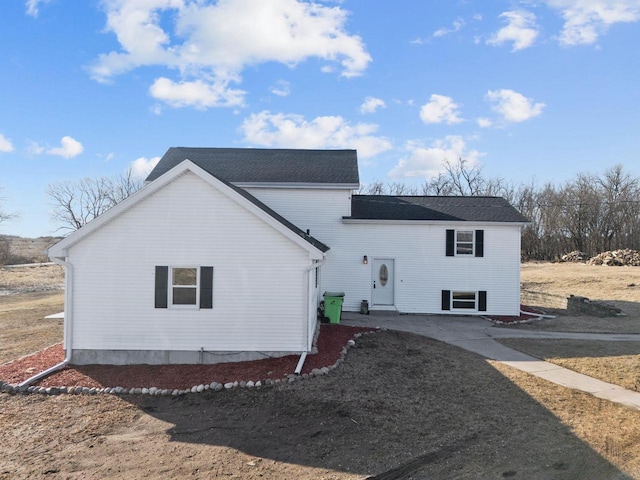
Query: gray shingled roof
[
  {"x": 256, "y": 165},
  {"x": 478, "y": 209}
]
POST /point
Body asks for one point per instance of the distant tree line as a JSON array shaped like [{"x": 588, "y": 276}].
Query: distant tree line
[{"x": 591, "y": 213}]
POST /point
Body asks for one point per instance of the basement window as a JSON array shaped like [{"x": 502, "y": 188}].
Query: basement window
[{"x": 463, "y": 300}]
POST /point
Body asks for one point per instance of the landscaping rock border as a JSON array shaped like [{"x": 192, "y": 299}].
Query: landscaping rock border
[{"x": 213, "y": 386}]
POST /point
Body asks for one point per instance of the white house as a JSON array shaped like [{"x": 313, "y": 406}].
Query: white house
[{"x": 225, "y": 253}]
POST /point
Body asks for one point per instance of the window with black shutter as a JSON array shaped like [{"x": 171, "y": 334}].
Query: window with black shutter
[{"x": 182, "y": 286}]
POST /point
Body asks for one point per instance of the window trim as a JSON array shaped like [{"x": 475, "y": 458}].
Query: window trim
[
  {"x": 163, "y": 295},
  {"x": 171, "y": 286},
  {"x": 473, "y": 304},
  {"x": 453, "y": 244},
  {"x": 472, "y": 243},
  {"x": 479, "y": 301}
]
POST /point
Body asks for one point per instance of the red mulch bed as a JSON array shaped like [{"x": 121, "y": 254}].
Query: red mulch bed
[
  {"x": 527, "y": 313},
  {"x": 331, "y": 341}
]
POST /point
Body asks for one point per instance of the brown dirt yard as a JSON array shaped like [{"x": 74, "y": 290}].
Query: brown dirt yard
[{"x": 399, "y": 407}]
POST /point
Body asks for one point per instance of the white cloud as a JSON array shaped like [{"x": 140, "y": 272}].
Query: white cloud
[
  {"x": 586, "y": 20},
  {"x": 457, "y": 26},
  {"x": 293, "y": 131},
  {"x": 513, "y": 106},
  {"x": 210, "y": 44},
  {"x": 33, "y": 6},
  {"x": 428, "y": 161},
  {"x": 34, "y": 149},
  {"x": 521, "y": 29},
  {"x": 371, "y": 104},
  {"x": 69, "y": 148},
  {"x": 5, "y": 144},
  {"x": 282, "y": 88},
  {"x": 141, "y": 167},
  {"x": 198, "y": 94},
  {"x": 440, "y": 109},
  {"x": 484, "y": 122}
]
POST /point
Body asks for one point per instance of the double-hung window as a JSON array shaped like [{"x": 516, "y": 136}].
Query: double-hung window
[
  {"x": 465, "y": 243},
  {"x": 183, "y": 286}
]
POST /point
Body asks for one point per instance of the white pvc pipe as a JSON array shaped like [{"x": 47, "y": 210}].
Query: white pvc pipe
[
  {"x": 298, "y": 369},
  {"x": 68, "y": 324}
]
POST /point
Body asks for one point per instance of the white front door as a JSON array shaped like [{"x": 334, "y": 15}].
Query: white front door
[{"x": 383, "y": 281}]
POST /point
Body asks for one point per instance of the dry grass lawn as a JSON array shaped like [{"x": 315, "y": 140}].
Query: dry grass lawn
[
  {"x": 613, "y": 362},
  {"x": 547, "y": 286},
  {"x": 27, "y": 295},
  {"x": 23, "y": 329}
]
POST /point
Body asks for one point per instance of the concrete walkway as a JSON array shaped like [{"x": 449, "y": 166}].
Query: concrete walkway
[{"x": 477, "y": 335}]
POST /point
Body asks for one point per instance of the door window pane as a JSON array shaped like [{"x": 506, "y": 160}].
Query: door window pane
[{"x": 383, "y": 274}]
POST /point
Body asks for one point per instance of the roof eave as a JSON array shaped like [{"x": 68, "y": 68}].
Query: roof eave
[
  {"x": 378, "y": 221},
  {"x": 299, "y": 185}
]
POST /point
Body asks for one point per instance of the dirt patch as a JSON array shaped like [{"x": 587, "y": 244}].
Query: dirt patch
[
  {"x": 400, "y": 406},
  {"x": 613, "y": 362},
  {"x": 331, "y": 341}
]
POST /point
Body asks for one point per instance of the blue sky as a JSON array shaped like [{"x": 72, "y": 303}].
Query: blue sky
[{"x": 527, "y": 89}]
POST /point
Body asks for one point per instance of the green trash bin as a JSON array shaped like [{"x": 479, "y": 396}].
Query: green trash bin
[{"x": 333, "y": 306}]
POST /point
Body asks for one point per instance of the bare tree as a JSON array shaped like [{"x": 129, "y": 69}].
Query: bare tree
[
  {"x": 76, "y": 203},
  {"x": 5, "y": 216},
  {"x": 376, "y": 188}
]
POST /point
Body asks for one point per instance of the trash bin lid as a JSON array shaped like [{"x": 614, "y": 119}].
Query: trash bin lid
[{"x": 333, "y": 294}]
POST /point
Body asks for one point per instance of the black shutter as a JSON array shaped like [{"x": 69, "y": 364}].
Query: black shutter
[
  {"x": 446, "y": 299},
  {"x": 482, "y": 301},
  {"x": 162, "y": 286},
  {"x": 451, "y": 243},
  {"x": 206, "y": 287},
  {"x": 479, "y": 243}
]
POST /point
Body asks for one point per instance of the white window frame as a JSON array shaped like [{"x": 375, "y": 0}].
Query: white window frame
[
  {"x": 458, "y": 242},
  {"x": 476, "y": 296},
  {"x": 170, "y": 303}
]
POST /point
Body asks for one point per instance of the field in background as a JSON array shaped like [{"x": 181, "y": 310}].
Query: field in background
[{"x": 18, "y": 250}]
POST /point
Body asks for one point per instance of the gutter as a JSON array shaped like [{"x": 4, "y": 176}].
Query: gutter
[
  {"x": 68, "y": 295},
  {"x": 303, "y": 355}
]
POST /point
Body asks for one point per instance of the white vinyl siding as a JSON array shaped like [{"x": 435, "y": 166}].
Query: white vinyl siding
[
  {"x": 422, "y": 270},
  {"x": 260, "y": 286}
]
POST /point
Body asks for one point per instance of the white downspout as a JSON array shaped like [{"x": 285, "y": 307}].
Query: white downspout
[
  {"x": 305, "y": 274},
  {"x": 68, "y": 324}
]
